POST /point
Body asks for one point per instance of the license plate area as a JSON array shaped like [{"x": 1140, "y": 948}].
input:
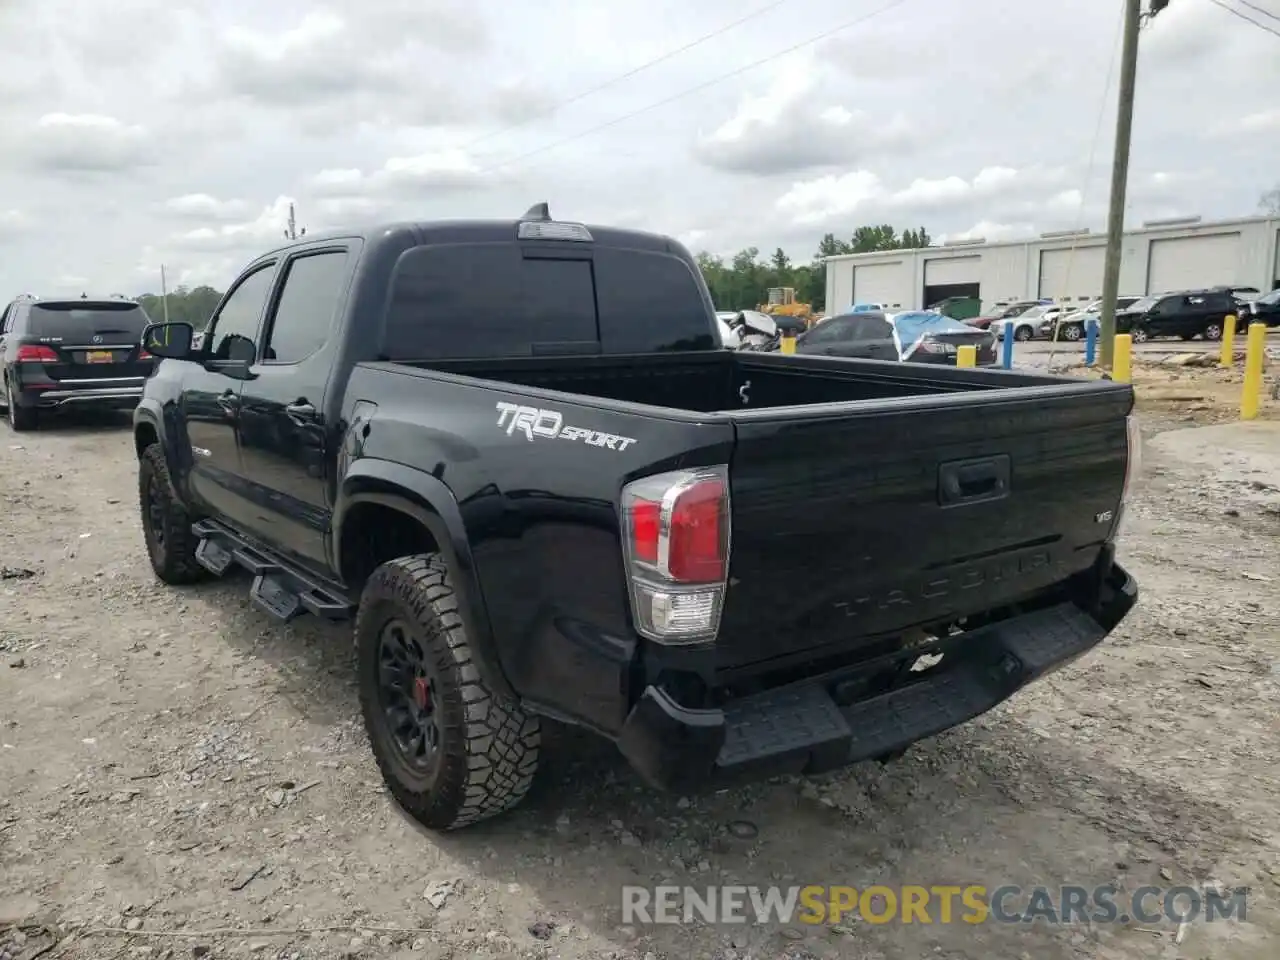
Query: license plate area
[{"x": 99, "y": 356}]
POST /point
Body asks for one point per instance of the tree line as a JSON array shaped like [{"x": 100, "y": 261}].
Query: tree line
[
  {"x": 193, "y": 305},
  {"x": 741, "y": 283}
]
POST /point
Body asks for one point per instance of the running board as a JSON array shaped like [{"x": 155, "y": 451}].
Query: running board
[{"x": 279, "y": 590}]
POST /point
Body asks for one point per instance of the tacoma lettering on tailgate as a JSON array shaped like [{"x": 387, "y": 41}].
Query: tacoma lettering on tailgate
[{"x": 536, "y": 422}]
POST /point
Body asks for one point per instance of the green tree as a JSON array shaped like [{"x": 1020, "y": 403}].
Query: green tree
[
  {"x": 189, "y": 305},
  {"x": 744, "y": 281}
]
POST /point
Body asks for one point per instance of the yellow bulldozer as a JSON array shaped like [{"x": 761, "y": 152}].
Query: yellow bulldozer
[{"x": 783, "y": 303}]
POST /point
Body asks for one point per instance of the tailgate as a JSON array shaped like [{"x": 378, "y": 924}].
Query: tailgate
[
  {"x": 851, "y": 526},
  {"x": 91, "y": 340}
]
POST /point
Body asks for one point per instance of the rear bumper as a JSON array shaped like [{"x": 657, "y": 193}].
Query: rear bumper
[
  {"x": 803, "y": 729},
  {"x": 113, "y": 398}
]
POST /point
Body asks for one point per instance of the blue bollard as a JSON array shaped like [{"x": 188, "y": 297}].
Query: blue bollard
[
  {"x": 1090, "y": 341},
  {"x": 1007, "y": 361}
]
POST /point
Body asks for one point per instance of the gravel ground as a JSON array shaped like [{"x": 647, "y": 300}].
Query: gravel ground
[{"x": 181, "y": 777}]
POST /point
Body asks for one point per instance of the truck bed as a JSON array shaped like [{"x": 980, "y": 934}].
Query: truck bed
[
  {"x": 868, "y": 499},
  {"x": 712, "y": 382}
]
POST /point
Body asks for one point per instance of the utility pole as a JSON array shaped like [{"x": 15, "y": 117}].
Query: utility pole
[
  {"x": 1119, "y": 179},
  {"x": 164, "y": 294},
  {"x": 1133, "y": 20},
  {"x": 291, "y": 231}
]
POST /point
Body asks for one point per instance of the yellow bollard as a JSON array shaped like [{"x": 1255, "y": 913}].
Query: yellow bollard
[
  {"x": 1121, "y": 362},
  {"x": 1255, "y": 347},
  {"x": 967, "y": 356},
  {"x": 787, "y": 345},
  {"x": 1228, "y": 341}
]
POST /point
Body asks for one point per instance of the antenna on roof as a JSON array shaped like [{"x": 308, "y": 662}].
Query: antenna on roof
[{"x": 539, "y": 211}]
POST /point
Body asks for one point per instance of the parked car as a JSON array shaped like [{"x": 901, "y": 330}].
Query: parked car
[
  {"x": 1266, "y": 309},
  {"x": 1071, "y": 326},
  {"x": 919, "y": 336},
  {"x": 83, "y": 353},
  {"x": 554, "y": 494},
  {"x": 1033, "y": 323},
  {"x": 1187, "y": 314},
  {"x": 1002, "y": 312}
]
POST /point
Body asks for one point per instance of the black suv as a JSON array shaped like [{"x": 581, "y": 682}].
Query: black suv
[
  {"x": 83, "y": 352},
  {"x": 1184, "y": 314}
]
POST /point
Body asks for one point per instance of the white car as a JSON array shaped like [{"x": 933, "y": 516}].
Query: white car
[
  {"x": 1071, "y": 327},
  {"x": 1036, "y": 322},
  {"x": 728, "y": 336}
]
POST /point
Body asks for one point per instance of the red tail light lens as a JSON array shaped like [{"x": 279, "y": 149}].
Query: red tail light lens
[
  {"x": 676, "y": 541},
  {"x": 36, "y": 353},
  {"x": 143, "y": 355}
]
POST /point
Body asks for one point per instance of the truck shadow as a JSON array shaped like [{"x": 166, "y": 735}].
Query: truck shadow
[
  {"x": 82, "y": 423},
  {"x": 995, "y": 802}
]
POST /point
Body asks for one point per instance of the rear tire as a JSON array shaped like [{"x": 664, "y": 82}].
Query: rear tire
[
  {"x": 166, "y": 524},
  {"x": 1023, "y": 334},
  {"x": 20, "y": 418},
  {"x": 452, "y": 750},
  {"x": 1072, "y": 332}
]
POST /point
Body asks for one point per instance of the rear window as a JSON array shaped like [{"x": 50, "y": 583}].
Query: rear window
[
  {"x": 488, "y": 301},
  {"x": 77, "y": 323}
]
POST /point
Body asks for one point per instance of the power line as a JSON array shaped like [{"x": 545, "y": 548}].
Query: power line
[
  {"x": 1260, "y": 9},
  {"x": 1245, "y": 17},
  {"x": 624, "y": 76},
  {"x": 848, "y": 24}
]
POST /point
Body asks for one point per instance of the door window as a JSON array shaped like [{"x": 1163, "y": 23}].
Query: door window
[
  {"x": 871, "y": 328},
  {"x": 234, "y": 329},
  {"x": 313, "y": 286}
]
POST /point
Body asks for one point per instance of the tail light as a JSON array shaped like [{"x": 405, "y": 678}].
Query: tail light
[
  {"x": 935, "y": 346},
  {"x": 1132, "y": 464},
  {"x": 36, "y": 353},
  {"x": 143, "y": 355},
  {"x": 675, "y": 533}
]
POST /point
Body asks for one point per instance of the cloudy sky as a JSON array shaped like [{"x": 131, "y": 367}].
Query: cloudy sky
[{"x": 142, "y": 132}]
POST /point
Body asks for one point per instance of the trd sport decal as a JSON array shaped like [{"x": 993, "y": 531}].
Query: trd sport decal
[{"x": 534, "y": 422}]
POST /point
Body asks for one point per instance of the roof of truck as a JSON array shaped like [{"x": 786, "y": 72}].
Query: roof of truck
[{"x": 482, "y": 231}]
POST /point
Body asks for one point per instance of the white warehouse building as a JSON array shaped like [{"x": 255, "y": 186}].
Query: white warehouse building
[{"x": 1163, "y": 256}]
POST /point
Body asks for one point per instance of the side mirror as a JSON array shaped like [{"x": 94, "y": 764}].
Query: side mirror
[{"x": 169, "y": 340}]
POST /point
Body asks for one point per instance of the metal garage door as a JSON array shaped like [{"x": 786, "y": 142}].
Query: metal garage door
[
  {"x": 840, "y": 294},
  {"x": 1184, "y": 263},
  {"x": 882, "y": 283},
  {"x": 1072, "y": 275},
  {"x": 944, "y": 271}
]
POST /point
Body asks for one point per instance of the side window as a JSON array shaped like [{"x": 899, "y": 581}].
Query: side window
[
  {"x": 304, "y": 312},
  {"x": 234, "y": 328},
  {"x": 872, "y": 328},
  {"x": 6, "y": 318}
]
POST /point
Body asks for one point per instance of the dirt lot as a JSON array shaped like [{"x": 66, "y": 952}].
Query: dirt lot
[{"x": 172, "y": 763}]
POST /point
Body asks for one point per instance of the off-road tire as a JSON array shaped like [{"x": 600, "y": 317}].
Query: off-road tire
[
  {"x": 488, "y": 744},
  {"x": 173, "y": 555},
  {"x": 20, "y": 418}
]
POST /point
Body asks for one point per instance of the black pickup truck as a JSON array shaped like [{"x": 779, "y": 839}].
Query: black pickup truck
[{"x": 516, "y": 455}]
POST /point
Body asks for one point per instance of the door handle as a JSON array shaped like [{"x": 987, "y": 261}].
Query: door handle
[
  {"x": 300, "y": 411},
  {"x": 974, "y": 480}
]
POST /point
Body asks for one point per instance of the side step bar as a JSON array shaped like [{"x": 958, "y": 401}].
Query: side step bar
[{"x": 280, "y": 591}]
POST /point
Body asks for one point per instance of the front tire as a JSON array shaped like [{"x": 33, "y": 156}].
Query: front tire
[
  {"x": 452, "y": 750},
  {"x": 1213, "y": 332},
  {"x": 1140, "y": 335},
  {"x": 166, "y": 524},
  {"x": 1023, "y": 334}
]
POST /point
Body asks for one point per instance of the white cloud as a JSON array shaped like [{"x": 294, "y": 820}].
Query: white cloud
[
  {"x": 85, "y": 143},
  {"x": 265, "y": 230},
  {"x": 201, "y": 206},
  {"x": 790, "y": 128},
  {"x": 12, "y": 223},
  {"x": 172, "y": 131}
]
